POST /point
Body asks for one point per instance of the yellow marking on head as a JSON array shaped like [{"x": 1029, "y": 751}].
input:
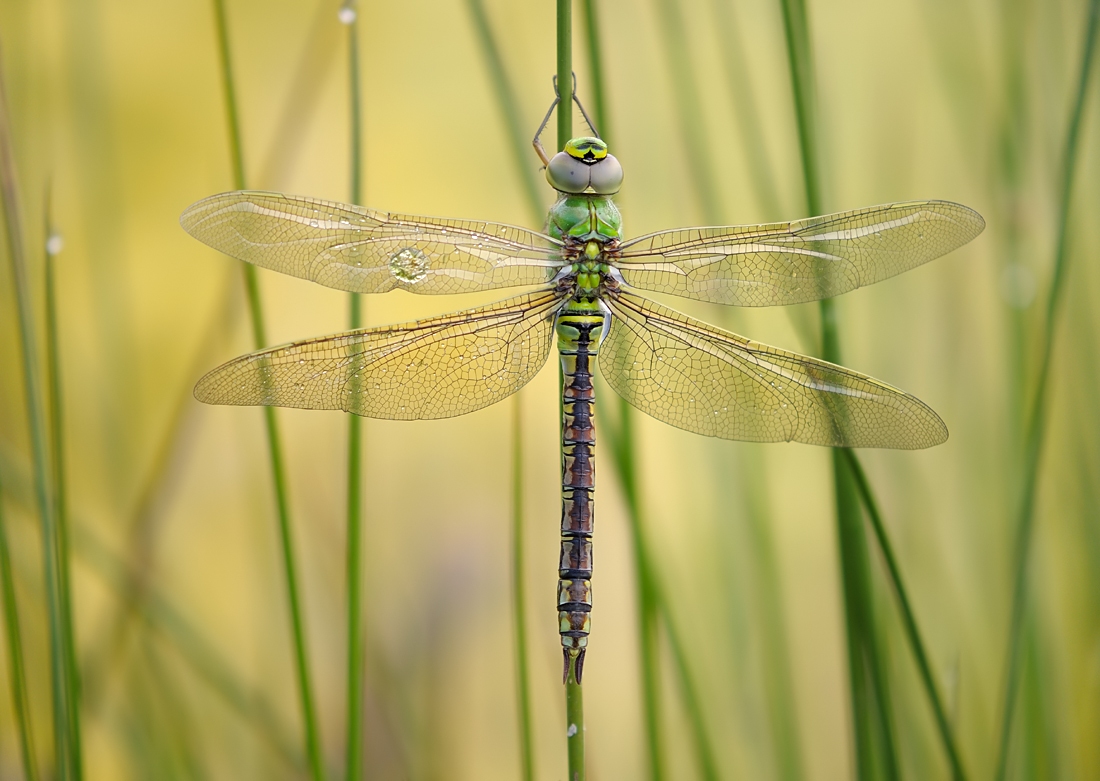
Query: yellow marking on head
[{"x": 586, "y": 148}]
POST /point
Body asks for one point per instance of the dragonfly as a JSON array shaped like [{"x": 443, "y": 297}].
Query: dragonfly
[{"x": 583, "y": 277}]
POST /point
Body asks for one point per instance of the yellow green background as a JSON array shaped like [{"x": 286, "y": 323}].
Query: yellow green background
[{"x": 117, "y": 110}]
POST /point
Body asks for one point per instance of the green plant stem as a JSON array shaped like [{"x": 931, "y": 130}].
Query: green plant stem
[
  {"x": 519, "y": 596},
  {"x": 509, "y": 107},
  {"x": 574, "y": 719},
  {"x": 704, "y": 752},
  {"x": 164, "y": 618},
  {"x": 13, "y": 224},
  {"x": 565, "y": 71},
  {"x": 595, "y": 64},
  {"x": 796, "y": 28},
  {"x": 17, "y": 676},
  {"x": 853, "y": 578},
  {"x": 309, "y": 718},
  {"x": 61, "y": 508},
  {"x": 105, "y": 655},
  {"x": 908, "y": 617},
  {"x": 745, "y": 108},
  {"x": 355, "y": 637},
  {"x": 623, "y": 450},
  {"x": 1033, "y": 444},
  {"x": 690, "y": 108},
  {"x": 864, "y": 660}
]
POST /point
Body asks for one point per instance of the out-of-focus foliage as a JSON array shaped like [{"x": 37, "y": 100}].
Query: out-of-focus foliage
[{"x": 179, "y": 597}]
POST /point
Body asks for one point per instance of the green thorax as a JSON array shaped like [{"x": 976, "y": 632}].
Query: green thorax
[
  {"x": 587, "y": 223},
  {"x": 584, "y": 217}
]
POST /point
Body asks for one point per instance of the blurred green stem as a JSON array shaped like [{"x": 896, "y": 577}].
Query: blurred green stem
[
  {"x": 908, "y": 618},
  {"x": 519, "y": 595},
  {"x": 574, "y": 719},
  {"x": 509, "y": 107},
  {"x": 305, "y": 687},
  {"x": 690, "y": 108},
  {"x": 746, "y": 110},
  {"x": 350, "y": 17},
  {"x": 17, "y": 676},
  {"x": 565, "y": 71},
  {"x": 865, "y": 662},
  {"x": 63, "y": 697},
  {"x": 61, "y": 507},
  {"x": 595, "y": 64},
  {"x": 622, "y": 452},
  {"x": 164, "y": 618},
  {"x": 652, "y": 606},
  {"x": 1037, "y": 422},
  {"x": 623, "y": 449},
  {"x": 704, "y": 753}
]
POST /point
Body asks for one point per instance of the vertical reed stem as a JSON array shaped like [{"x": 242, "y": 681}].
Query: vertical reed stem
[
  {"x": 1033, "y": 444},
  {"x": 356, "y": 664},
  {"x": 62, "y": 697},
  {"x": 565, "y": 72},
  {"x": 908, "y": 618},
  {"x": 519, "y": 596},
  {"x": 274, "y": 442},
  {"x": 509, "y": 106},
  {"x": 864, "y": 659},
  {"x": 61, "y": 506},
  {"x": 650, "y": 602},
  {"x": 17, "y": 676},
  {"x": 574, "y": 718},
  {"x": 623, "y": 449}
]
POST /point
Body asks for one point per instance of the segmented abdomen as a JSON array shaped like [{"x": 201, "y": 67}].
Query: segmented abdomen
[{"x": 578, "y": 342}]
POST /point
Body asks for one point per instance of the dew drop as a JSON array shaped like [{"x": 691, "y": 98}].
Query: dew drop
[
  {"x": 54, "y": 244},
  {"x": 409, "y": 264}
]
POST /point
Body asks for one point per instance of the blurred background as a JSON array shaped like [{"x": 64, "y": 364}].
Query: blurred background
[{"x": 183, "y": 642}]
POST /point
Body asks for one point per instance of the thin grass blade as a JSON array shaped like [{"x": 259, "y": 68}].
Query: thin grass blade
[
  {"x": 1033, "y": 443},
  {"x": 356, "y": 642},
  {"x": 36, "y": 422},
  {"x": 863, "y": 660},
  {"x": 509, "y": 108},
  {"x": 274, "y": 441},
  {"x": 17, "y": 676},
  {"x": 621, "y": 438},
  {"x": 61, "y": 505},
  {"x": 916, "y": 644}
]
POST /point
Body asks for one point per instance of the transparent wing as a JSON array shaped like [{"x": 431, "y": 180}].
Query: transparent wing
[
  {"x": 367, "y": 251},
  {"x": 702, "y": 379},
  {"x": 794, "y": 262},
  {"x": 435, "y": 368}
]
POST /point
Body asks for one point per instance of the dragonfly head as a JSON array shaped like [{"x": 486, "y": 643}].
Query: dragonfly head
[{"x": 585, "y": 167}]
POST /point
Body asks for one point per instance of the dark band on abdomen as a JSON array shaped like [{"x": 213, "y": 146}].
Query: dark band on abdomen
[{"x": 578, "y": 342}]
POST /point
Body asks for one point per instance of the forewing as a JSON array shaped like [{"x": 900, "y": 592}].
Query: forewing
[
  {"x": 367, "y": 251},
  {"x": 794, "y": 262},
  {"x": 702, "y": 379},
  {"x": 435, "y": 368}
]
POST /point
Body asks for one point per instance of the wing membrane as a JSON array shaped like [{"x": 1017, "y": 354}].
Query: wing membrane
[
  {"x": 435, "y": 368},
  {"x": 702, "y": 379},
  {"x": 367, "y": 251},
  {"x": 794, "y": 262}
]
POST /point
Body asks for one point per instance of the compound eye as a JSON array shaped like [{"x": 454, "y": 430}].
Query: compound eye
[
  {"x": 607, "y": 176},
  {"x": 567, "y": 174}
]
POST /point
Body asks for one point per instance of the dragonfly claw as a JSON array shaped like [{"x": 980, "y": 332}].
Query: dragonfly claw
[{"x": 578, "y": 668}]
